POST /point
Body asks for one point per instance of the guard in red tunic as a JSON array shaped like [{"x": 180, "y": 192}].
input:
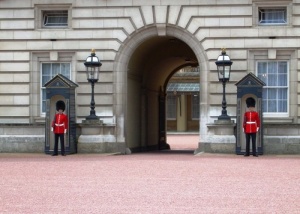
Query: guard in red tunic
[
  {"x": 59, "y": 127},
  {"x": 251, "y": 126}
]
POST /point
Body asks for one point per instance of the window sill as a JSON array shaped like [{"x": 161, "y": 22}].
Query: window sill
[
  {"x": 276, "y": 120},
  {"x": 54, "y": 28},
  {"x": 39, "y": 120}
]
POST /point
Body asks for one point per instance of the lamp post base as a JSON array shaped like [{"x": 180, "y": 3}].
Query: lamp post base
[
  {"x": 92, "y": 121},
  {"x": 92, "y": 117},
  {"x": 224, "y": 117}
]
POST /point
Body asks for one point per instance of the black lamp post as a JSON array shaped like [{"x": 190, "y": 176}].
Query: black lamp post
[
  {"x": 224, "y": 66},
  {"x": 92, "y": 64}
]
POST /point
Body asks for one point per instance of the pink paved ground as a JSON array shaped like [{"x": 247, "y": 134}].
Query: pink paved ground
[
  {"x": 149, "y": 183},
  {"x": 183, "y": 141}
]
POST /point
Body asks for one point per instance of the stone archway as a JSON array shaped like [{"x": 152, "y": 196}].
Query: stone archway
[{"x": 137, "y": 90}]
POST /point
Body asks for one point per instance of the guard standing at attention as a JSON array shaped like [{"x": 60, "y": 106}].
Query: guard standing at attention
[
  {"x": 59, "y": 127},
  {"x": 251, "y": 126}
]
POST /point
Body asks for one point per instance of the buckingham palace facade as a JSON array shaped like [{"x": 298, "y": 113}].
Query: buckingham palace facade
[{"x": 142, "y": 45}]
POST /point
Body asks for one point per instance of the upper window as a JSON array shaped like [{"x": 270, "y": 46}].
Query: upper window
[
  {"x": 53, "y": 16},
  {"x": 275, "y": 94},
  {"x": 48, "y": 71},
  {"x": 57, "y": 18},
  {"x": 272, "y": 15}
]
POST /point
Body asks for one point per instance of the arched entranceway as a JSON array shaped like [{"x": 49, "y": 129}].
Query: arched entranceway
[{"x": 143, "y": 66}]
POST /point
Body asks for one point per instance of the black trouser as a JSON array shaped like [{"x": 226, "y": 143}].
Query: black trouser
[
  {"x": 253, "y": 136},
  {"x": 62, "y": 143}
]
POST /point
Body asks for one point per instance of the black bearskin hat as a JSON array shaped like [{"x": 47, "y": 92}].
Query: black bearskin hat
[
  {"x": 60, "y": 105},
  {"x": 250, "y": 101}
]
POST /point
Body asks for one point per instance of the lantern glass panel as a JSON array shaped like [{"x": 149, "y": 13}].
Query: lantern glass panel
[
  {"x": 92, "y": 73},
  {"x": 224, "y": 72},
  {"x": 227, "y": 72},
  {"x": 221, "y": 72}
]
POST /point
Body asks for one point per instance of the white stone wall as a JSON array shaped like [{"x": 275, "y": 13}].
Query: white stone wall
[{"x": 107, "y": 25}]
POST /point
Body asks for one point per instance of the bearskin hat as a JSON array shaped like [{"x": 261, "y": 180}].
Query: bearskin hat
[
  {"x": 250, "y": 101},
  {"x": 60, "y": 105}
]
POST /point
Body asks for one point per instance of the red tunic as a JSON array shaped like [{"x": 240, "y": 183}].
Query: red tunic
[
  {"x": 60, "y": 123},
  {"x": 251, "y": 122}
]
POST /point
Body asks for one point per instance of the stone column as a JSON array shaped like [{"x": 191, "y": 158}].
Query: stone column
[{"x": 181, "y": 113}]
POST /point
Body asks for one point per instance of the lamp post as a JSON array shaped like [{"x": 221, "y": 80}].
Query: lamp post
[
  {"x": 92, "y": 65},
  {"x": 224, "y": 66}
]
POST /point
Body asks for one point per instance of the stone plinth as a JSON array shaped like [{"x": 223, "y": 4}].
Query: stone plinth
[
  {"x": 222, "y": 127},
  {"x": 97, "y": 137},
  {"x": 220, "y": 139}
]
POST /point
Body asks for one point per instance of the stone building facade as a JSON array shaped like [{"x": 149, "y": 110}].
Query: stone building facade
[{"x": 141, "y": 44}]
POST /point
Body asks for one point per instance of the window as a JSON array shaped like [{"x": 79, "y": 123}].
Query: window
[
  {"x": 275, "y": 93},
  {"x": 53, "y": 16},
  {"x": 272, "y": 15},
  {"x": 57, "y": 18},
  {"x": 48, "y": 71},
  {"x": 171, "y": 107},
  {"x": 195, "y": 107}
]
